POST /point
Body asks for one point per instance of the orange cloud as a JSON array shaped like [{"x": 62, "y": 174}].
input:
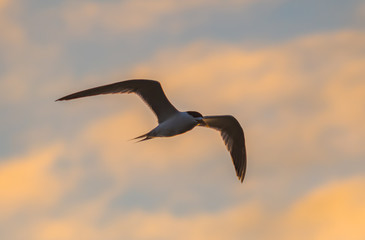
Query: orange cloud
[
  {"x": 333, "y": 211},
  {"x": 27, "y": 181},
  {"x": 3, "y": 3},
  {"x": 151, "y": 225}
]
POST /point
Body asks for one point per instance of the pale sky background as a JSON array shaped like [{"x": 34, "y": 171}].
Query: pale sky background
[{"x": 292, "y": 72}]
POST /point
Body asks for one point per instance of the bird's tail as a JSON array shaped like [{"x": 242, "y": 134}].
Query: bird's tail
[{"x": 144, "y": 137}]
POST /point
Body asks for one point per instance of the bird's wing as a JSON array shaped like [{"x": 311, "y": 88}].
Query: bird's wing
[
  {"x": 234, "y": 139},
  {"x": 149, "y": 90}
]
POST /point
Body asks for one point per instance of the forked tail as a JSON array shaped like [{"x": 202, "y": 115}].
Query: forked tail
[{"x": 144, "y": 137}]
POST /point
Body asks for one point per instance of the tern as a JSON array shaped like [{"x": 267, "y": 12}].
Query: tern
[{"x": 172, "y": 122}]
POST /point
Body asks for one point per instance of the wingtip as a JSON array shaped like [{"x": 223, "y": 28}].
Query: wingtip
[
  {"x": 61, "y": 99},
  {"x": 242, "y": 176}
]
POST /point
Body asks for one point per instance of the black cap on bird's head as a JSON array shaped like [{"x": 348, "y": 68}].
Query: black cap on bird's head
[
  {"x": 197, "y": 116},
  {"x": 194, "y": 114}
]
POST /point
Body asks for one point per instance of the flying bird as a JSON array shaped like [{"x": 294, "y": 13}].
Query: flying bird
[{"x": 172, "y": 122}]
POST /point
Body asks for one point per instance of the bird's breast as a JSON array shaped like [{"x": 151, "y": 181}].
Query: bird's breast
[{"x": 177, "y": 124}]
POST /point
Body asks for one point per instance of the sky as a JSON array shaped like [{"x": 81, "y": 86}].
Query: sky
[{"x": 291, "y": 72}]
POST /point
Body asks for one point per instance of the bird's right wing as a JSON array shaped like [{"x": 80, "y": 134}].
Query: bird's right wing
[
  {"x": 149, "y": 90},
  {"x": 234, "y": 139}
]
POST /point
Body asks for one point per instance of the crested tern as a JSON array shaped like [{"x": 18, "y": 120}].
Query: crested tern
[{"x": 172, "y": 122}]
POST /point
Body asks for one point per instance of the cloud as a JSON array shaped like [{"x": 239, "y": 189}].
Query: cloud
[
  {"x": 25, "y": 63},
  {"x": 300, "y": 105},
  {"x": 308, "y": 89},
  {"x": 149, "y": 225},
  {"x": 333, "y": 211},
  {"x": 24, "y": 78},
  {"x": 108, "y": 137},
  {"x": 3, "y": 4},
  {"x": 28, "y": 182},
  {"x": 360, "y": 12},
  {"x": 11, "y": 29},
  {"x": 130, "y": 16},
  {"x": 297, "y": 102}
]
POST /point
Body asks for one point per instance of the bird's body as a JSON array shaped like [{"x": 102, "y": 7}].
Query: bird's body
[
  {"x": 178, "y": 123},
  {"x": 173, "y": 122}
]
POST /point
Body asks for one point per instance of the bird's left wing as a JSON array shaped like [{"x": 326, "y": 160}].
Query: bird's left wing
[
  {"x": 234, "y": 139},
  {"x": 149, "y": 90}
]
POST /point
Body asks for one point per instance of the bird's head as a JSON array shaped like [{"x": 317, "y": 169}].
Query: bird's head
[{"x": 197, "y": 117}]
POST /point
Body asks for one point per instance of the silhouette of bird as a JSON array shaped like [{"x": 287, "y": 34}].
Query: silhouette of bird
[{"x": 173, "y": 122}]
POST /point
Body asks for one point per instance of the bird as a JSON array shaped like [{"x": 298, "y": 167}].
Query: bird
[{"x": 172, "y": 122}]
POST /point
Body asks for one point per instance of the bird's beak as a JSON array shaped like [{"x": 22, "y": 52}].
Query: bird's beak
[{"x": 200, "y": 121}]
